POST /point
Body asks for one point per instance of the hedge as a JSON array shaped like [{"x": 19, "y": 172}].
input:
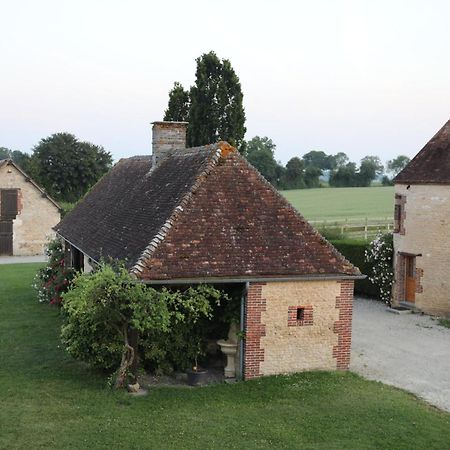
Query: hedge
[{"x": 354, "y": 251}]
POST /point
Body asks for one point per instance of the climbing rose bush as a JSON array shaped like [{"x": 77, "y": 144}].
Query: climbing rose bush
[
  {"x": 380, "y": 257},
  {"x": 53, "y": 280}
]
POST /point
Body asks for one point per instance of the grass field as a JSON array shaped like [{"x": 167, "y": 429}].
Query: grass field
[
  {"x": 342, "y": 203},
  {"x": 47, "y": 400}
]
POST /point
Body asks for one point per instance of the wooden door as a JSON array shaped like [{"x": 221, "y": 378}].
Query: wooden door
[
  {"x": 410, "y": 279},
  {"x": 6, "y": 237},
  {"x": 8, "y": 201}
]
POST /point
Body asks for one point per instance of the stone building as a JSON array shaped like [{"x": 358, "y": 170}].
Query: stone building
[
  {"x": 205, "y": 215},
  {"x": 27, "y": 213},
  {"x": 422, "y": 229}
]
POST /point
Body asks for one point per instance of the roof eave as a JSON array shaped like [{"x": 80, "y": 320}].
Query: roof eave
[
  {"x": 254, "y": 279},
  {"x": 421, "y": 182}
]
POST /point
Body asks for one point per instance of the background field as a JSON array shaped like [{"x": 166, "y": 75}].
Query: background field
[{"x": 343, "y": 203}]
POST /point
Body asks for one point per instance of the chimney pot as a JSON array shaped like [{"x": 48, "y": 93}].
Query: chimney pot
[{"x": 167, "y": 136}]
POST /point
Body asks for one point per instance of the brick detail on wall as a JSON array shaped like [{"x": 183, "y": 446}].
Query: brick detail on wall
[
  {"x": 306, "y": 316},
  {"x": 399, "y": 214},
  {"x": 399, "y": 280},
  {"x": 19, "y": 201},
  {"x": 254, "y": 330},
  {"x": 343, "y": 326},
  {"x": 418, "y": 277}
]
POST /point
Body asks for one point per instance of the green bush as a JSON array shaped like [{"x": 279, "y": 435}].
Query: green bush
[
  {"x": 355, "y": 251},
  {"x": 185, "y": 339},
  {"x": 66, "y": 207},
  {"x": 106, "y": 310}
]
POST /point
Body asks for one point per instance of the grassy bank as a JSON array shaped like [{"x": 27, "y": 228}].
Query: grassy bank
[{"x": 50, "y": 401}]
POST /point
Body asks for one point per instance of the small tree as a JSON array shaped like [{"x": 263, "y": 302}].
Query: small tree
[
  {"x": 105, "y": 311},
  {"x": 396, "y": 165},
  {"x": 260, "y": 152},
  {"x": 380, "y": 256},
  {"x": 67, "y": 167}
]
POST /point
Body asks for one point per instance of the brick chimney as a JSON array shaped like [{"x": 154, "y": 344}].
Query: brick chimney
[{"x": 167, "y": 136}]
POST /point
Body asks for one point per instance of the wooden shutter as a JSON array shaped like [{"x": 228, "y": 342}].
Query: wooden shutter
[{"x": 9, "y": 204}]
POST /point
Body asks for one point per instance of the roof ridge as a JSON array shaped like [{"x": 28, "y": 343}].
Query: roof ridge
[{"x": 219, "y": 150}]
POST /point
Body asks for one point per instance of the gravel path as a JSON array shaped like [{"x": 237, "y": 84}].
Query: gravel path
[
  {"x": 410, "y": 351},
  {"x": 22, "y": 259}
]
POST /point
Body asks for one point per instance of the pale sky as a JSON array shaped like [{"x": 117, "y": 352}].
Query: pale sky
[{"x": 362, "y": 77}]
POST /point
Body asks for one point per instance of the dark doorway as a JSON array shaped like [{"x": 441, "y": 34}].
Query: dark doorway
[
  {"x": 8, "y": 212},
  {"x": 6, "y": 237}
]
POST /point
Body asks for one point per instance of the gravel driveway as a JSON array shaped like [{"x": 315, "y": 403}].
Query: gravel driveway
[{"x": 410, "y": 351}]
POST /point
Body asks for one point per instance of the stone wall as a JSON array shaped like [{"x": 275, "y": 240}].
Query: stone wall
[
  {"x": 297, "y": 326},
  {"x": 33, "y": 224},
  {"x": 426, "y": 233}
]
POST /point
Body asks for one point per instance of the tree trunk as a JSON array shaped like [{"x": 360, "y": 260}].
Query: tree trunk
[
  {"x": 134, "y": 339},
  {"x": 127, "y": 360}
]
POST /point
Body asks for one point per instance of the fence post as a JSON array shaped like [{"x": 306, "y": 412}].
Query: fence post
[{"x": 365, "y": 230}]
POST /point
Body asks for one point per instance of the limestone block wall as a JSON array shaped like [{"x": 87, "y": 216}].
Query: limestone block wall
[
  {"x": 37, "y": 215},
  {"x": 426, "y": 233},
  {"x": 297, "y": 326}
]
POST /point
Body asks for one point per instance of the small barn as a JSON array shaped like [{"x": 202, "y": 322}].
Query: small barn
[
  {"x": 185, "y": 216},
  {"x": 422, "y": 229},
  {"x": 27, "y": 213}
]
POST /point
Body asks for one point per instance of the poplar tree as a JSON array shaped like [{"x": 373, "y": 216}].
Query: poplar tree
[
  {"x": 178, "y": 107},
  {"x": 214, "y": 104}
]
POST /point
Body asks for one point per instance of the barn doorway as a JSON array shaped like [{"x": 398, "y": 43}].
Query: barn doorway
[
  {"x": 8, "y": 212},
  {"x": 6, "y": 238}
]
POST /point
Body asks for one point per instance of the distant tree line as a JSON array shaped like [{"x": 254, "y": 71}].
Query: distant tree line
[{"x": 306, "y": 171}]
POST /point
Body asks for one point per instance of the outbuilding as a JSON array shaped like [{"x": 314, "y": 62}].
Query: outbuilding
[
  {"x": 422, "y": 229},
  {"x": 185, "y": 216},
  {"x": 27, "y": 213}
]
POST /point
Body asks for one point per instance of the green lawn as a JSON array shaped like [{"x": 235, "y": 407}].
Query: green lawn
[
  {"x": 341, "y": 203},
  {"x": 49, "y": 401}
]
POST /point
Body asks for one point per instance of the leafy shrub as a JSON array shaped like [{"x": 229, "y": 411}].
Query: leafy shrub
[
  {"x": 380, "y": 256},
  {"x": 103, "y": 309},
  {"x": 355, "y": 252},
  {"x": 332, "y": 233},
  {"x": 66, "y": 208},
  {"x": 184, "y": 340},
  {"x": 53, "y": 280}
]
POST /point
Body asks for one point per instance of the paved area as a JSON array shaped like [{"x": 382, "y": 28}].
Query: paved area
[
  {"x": 409, "y": 351},
  {"x": 22, "y": 259}
]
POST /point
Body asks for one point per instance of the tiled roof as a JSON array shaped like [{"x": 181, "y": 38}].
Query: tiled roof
[
  {"x": 201, "y": 213},
  {"x": 432, "y": 164},
  {"x": 126, "y": 209}
]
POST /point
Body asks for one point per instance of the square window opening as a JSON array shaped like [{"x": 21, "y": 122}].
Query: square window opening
[{"x": 300, "y": 314}]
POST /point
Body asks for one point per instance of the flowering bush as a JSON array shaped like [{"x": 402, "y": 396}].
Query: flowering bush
[
  {"x": 380, "y": 255},
  {"x": 53, "y": 280}
]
